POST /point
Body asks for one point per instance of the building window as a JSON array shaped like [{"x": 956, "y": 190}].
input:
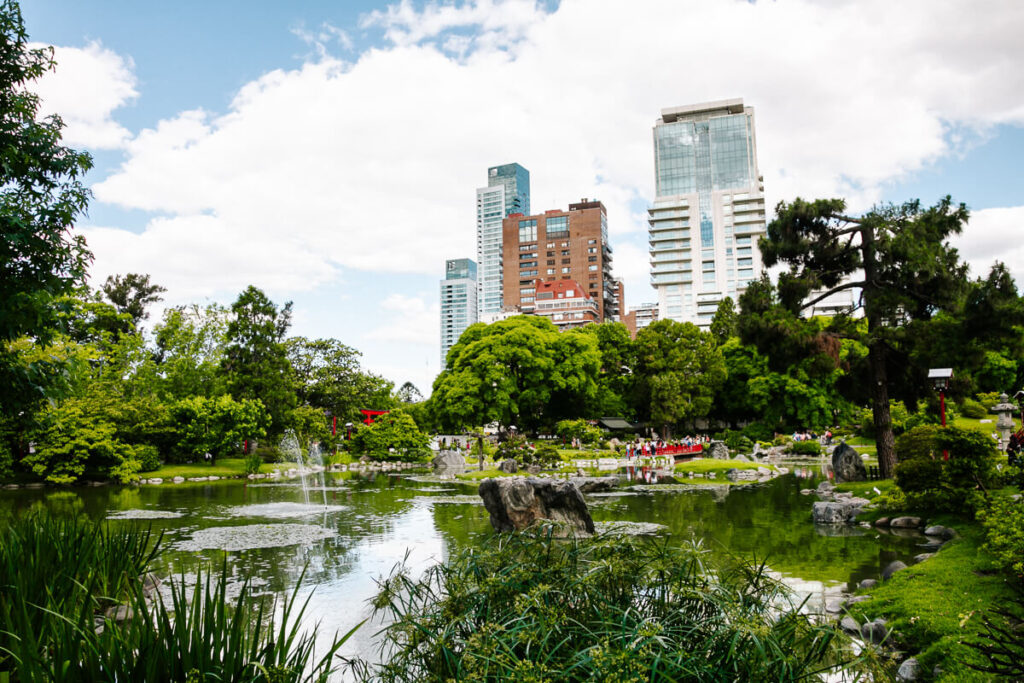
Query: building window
[
  {"x": 551, "y": 271},
  {"x": 592, "y": 259},
  {"x": 527, "y": 230},
  {"x": 550, "y": 245},
  {"x": 565, "y": 270},
  {"x": 526, "y": 247},
  {"x": 528, "y": 290},
  {"x": 588, "y": 268},
  {"x": 558, "y": 226},
  {"x": 591, "y": 250},
  {"x": 591, "y": 241},
  {"x": 551, "y": 253},
  {"x": 744, "y": 262},
  {"x": 709, "y": 267}
]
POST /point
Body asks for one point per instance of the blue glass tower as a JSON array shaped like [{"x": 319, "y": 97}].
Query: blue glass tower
[{"x": 507, "y": 192}]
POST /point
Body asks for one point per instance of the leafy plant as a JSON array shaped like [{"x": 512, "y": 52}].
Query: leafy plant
[
  {"x": 252, "y": 463},
  {"x": 394, "y": 436},
  {"x": 1003, "y": 521},
  {"x": 973, "y": 409},
  {"x": 526, "y": 607},
  {"x": 805, "y": 448}
]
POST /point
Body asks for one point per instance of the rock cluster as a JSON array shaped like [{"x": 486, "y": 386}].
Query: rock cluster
[
  {"x": 449, "y": 462},
  {"x": 515, "y": 503},
  {"x": 836, "y": 507}
]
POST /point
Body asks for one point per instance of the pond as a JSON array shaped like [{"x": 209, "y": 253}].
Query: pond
[{"x": 372, "y": 522}]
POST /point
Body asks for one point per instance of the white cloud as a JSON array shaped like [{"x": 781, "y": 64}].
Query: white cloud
[
  {"x": 994, "y": 235},
  {"x": 372, "y": 164},
  {"x": 410, "y": 320},
  {"x": 86, "y": 87}
]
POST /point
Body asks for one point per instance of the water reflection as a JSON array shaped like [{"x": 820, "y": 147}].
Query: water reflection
[{"x": 374, "y": 521}]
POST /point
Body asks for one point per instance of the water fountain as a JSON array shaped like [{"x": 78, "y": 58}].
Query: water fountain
[
  {"x": 291, "y": 451},
  {"x": 315, "y": 457}
]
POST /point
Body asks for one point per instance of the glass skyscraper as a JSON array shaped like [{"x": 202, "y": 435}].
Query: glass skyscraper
[
  {"x": 458, "y": 302},
  {"x": 507, "y": 192},
  {"x": 708, "y": 211}
]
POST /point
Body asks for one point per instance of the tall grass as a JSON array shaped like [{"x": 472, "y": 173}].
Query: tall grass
[
  {"x": 526, "y": 607},
  {"x": 60, "y": 576}
]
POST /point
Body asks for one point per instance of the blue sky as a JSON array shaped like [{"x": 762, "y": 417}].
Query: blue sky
[{"x": 328, "y": 152}]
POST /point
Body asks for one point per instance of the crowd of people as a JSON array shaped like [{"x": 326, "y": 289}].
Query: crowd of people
[{"x": 641, "y": 448}]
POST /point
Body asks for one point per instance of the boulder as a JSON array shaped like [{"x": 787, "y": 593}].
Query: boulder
[
  {"x": 923, "y": 556},
  {"x": 156, "y": 480},
  {"x": 806, "y": 492},
  {"x": 891, "y": 569},
  {"x": 119, "y": 613},
  {"x": 594, "y": 484},
  {"x": 882, "y": 521},
  {"x": 742, "y": 475},
  {"x": 825, "y": 512},
  {"x": 509, "y": 466},
  {"x": 449, "y": 462},
  {"x": 850, "y": 625},
  {"x": 909, "y": 670},
  {"x": 718, "y": 451},
  {"x": 847, "y": 464},
  {"x": 874, "y": 631},
  {"x": 905, "y": 522},
  {"x": 855, "y": 599},
  {"x": 178, "y": 480},
  {"x": 825, "y": 488},
  {"x": 867, "y": 583},
  {"x": 533, "y": 469},
  {"x": 932, "y": 546},
  {"x": 834, "y": 606},
  {"x": 943, "y": 532},
  {"x": 516, "y": 503}
]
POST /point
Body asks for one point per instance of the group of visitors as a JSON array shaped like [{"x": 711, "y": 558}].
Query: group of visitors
[
  {"x": 650, "y": 448},
  {"x": 811, "y": 435}
]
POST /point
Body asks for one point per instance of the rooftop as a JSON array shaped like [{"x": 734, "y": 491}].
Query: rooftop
[{"x": 733, "y": 106}]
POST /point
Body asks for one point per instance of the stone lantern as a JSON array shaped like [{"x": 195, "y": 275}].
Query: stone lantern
[{"x": 1005, "y": 410}]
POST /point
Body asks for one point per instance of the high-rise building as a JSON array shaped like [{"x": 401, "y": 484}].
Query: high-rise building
[
  {"x": 507, "y": 191},
  {"x": 639, "y": 318},
  {"x": 560, "y": 245},
  {"x": 708, "y": 210},
  {"x": 458, "y": 301},
  {"x": 565, "y": 303}
]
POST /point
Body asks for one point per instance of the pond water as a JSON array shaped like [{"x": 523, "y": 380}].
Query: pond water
[{"x": 372, "y": 522}]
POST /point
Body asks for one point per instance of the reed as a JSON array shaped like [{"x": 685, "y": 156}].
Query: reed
[{"x": 527, "y": 607}]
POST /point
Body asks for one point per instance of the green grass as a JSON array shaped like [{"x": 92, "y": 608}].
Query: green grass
[
  {"x": 489, "y": 473},
  {"x": 705, "y": 465},
  {"x": 935, "y": 605},
  {"x": 223, "y": 467},
  {"x": 866, "y": 489},
  {"x": 987, "y": 428}
]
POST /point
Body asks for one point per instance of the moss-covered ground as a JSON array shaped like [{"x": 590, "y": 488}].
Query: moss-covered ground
[
  {"x": 705, "y": 465},
  {"x": 223, "y": 467},
  {"x": 935, "y": 605}
]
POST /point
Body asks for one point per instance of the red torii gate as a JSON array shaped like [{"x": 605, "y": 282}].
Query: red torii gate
[{"x": 370, "y": 414}]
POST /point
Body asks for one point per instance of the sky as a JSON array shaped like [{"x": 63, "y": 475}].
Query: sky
[{"x": 329, "y": 152}]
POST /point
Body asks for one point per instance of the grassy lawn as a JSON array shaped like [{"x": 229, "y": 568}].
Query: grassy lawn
[
  {"x": 491, "y": 473},
  {"x": 937, "y": 604},
  {"x": 866, "y": 489},
  {"x": 224, "y": 467},
  {"x": 705, "y": 465}
]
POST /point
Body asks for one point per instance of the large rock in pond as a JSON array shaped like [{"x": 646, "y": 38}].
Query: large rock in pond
[
  {"x": 594, "y": 484},
  {"x": 825, "y": 512},
  {"x": 516, "y": 503},
  {"x": 718, "y": 451},
  {"x": 509, "y": 466},
  {"x": 449, "y": 461},
  {"x": 847, "y": 464}
]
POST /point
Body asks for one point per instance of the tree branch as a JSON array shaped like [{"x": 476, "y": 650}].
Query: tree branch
[{"x": 838, "y": 288}]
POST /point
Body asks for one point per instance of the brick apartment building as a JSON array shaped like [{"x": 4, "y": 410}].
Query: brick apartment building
[
  {"x": 559, "y": 245},
  {"x": 565, "y": 303}
]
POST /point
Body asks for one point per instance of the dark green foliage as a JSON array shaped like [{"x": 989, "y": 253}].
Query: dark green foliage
[
  {"x": 805, "y": 448},
  {"x": 41, "y": 196},
  {"x": 526, "y": 607},
  {"x": 578, "y": 429},
  {"x": 910, "y": 272},
  {"x": 132, "y": 294},
  {"x": 735, "y": 440},
  {"x": 1002, "y": 641},
  {"x": 218, "y": 426},
  {"x": 546, "y": 456},
  {"x": 255, "y": 360},
  {"x": 253, "y": 462},
  {"x": 725, "y": 324},
  {"x": 958, "y": 485}
]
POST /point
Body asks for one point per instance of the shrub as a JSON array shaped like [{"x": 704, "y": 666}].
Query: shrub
[
  {"x": 546, "y": 456},
  {"x": 578, "y": 429},
  {"x": 973, "y": 409},
  {"x": 917, "y": 443},
  {"x": 735, "y": 440},
  {"x": 758, "y": 431},
  {"x": 957, "y": 485},
  {"x": 529, "y": 607},
  {"x": 782, "y": 440},
  {"x": 268, "y": 454},
  {"x": 148, "y": 457},
  {"x": 988, "y": 399},
  {"x": 805, "y": 448},
  {"x": 253, "y": 462},
  {"x": 1003, "y": 521},
  {"x": 394, "y": 436}
]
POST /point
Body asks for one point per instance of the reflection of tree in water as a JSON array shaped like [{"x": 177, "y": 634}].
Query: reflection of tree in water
[{"x": 770, "y": 522}]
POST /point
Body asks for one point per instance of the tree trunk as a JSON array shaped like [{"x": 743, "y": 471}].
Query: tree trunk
[{"x": 877, "y": 352}]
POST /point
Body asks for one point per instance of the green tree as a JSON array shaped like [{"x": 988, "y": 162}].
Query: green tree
[
  {"x": 909, "y": 272},
  {"x": 217, "y": 426},
  {"x": 520, "y": 371},
  {"x": 679, "y": 369},
  {"x": 41, "y": 195},
  {"x": 725, "y": 324},
  {"x": 190, "y": 344},
  {"x": 394, "y": 436},
  {"x": 132, "y": 294},
  {"x": 615, "y": 379},
  {"x": 328, "y": 376},
  {"x": 255, "y": 361},
  {"x": 408, "y": 393}
]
